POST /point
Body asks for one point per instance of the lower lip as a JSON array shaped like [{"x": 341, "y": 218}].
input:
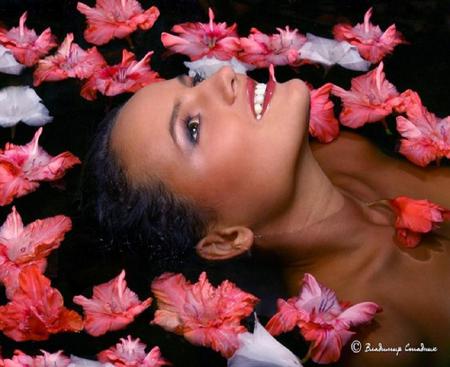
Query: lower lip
[{"x": 270, "y": 89}]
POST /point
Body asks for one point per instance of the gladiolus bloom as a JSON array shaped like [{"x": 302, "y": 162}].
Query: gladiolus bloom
[
  {"x": 370, "y": 99},
  {"x": 425, "y": 137},
  {"x": 70, "y": 61},
  {"x": 115, "y": 19},
  {"x": 203, "y": 39},
  {"x": 321, "y": 318},
  {"x": 372, "y": 43},
  {"x": 204, "y": 315},
  {"x": 322, "y": 123},
  {"x": 261, "y": 50},
  {"x": 25, "y": 45},
  {"x": 415, "y": 217},
  {"x": 21, "y": 359},
  {"x": 36, "y": 310},
  {"x": 112, "y": 307},
  {"x": 8, "y": 63},
  {"x": 22, "y": 167},
  {"x": 131, "y": 353},
  {"x": 128, "y": 76},
  {"x": 22, "y": 246}
]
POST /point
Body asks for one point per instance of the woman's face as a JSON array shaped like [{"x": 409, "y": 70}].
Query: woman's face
[{"x": 205, "y": 143}]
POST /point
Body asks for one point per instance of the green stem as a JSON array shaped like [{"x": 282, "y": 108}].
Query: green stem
[
  {"x": 307, "y": 357},
  {"x": 13, "y": 132},
  {"x": 130, "y": 42},
  {"x": 386, "y": 127}
]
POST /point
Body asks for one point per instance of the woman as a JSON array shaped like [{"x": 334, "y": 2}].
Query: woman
[{"x": 185, "y": 165}]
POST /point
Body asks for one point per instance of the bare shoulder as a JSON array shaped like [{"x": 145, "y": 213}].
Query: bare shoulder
[{"x": 354, "y": 156}]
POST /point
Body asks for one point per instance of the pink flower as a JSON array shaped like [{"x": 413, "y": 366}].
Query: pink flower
[
  {"x": 372, "y": 43},
  {"x": 203, "y": 39},
  {"x": 70, "y": 61},
  {"x": 370, "y": 99},
  {"x": 128, "y": 76},
  {"x": 22, "y": 167},
  {"x": 113, "y": 306},
  {"x": 322, "y": 123},
  {"x": 204, "y": 315},
  {"x": 36, "y": 310},
  {"x": 115, "y": 19},
  {"x": 261, "y": 50},
  {"x": 21, "y": 359},
  {"x": 131, "y": 353},
  {"x": 425, "y": 137},
  {"x": 321, "y": 319},
  {"x": 22, "y": 246},
  {"x": 415, "y": 217},
  {"x": 25, "y": 45}
]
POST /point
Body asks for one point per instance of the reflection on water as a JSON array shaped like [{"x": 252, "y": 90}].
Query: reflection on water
[{"x": 83, "y": 260}]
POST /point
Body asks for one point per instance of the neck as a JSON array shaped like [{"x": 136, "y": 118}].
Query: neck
[{"x": 321, "y": 222}]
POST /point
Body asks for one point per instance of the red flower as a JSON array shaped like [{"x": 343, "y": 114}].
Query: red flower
[
  {"x": 112, "y": 307},
  {"x": 261, "y": 50},
  {"x": 415, "y": 217},
  {"x": 322, "y": 123},
  {"x": 372, "y": 43},
  {"x": 425, "y": 137},
  {"x": 25, "y": 45},
  {"x": 370, "y": 99},
  {"x": 22, "y": 246},
  {"x": 131, "y": 353},
  {"x": 115, "y": 19},
  {"x": 321, "y": 319},
  {"x": 36, "y": 310},
  {"x": 22, "y": 167},
  {"x": 70, "y": 61},
  {"x": 203, "y": 39},
  {"x": 204, "y": 315},
  {"x": 128, "y": 76}
]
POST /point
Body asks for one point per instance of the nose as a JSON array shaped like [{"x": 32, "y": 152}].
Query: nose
[{"x": 224, "y": 82}]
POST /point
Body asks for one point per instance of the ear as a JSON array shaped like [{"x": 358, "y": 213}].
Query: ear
[{"x": 225, "y": 243}]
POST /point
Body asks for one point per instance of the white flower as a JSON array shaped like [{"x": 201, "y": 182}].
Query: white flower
[
  {"x": 22, "y": 104},
  {"x": 8, "y": 63},
  {"x": 207, "y": 66},
  {"x": 81, "y": 362},
  {"x": 261, "y": 349},
  {"x": 328, "y": 52}
]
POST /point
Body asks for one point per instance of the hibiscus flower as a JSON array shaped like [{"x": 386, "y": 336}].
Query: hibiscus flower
[
  {"x": 70, "y": 61},
  {"x": 426, "y": 138},
  {"x": 22, "y": 246},
  {"x": 204, "y": 315},
  {"x": 131, "y": 353},
  {"x": 112, "y": 307},
  {"x": 370, "y": 99},
  {"x": 25, "y": 45},
  {"x": 22, "y": 104},
  {"x": 36, "y": 310},
  {"x": 261, "y": 50},
  {"x": 203, "y": 39},
  {"x": 128, "y": 76},
  {"x": 321, "y": 318},
  {"x": 373, "y": 44},
  {"x": 415, "y": 217},
  {"x": 22, "y": 167},
  {"x": 115, "y": 19},
  {"x": 322, "y": 123}
]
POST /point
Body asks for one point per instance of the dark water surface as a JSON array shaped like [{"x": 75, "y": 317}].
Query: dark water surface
[{"x": 82, "y": 261}]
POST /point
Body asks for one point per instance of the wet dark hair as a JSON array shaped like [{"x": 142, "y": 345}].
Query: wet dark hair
[{"x": 149, "y": 222}]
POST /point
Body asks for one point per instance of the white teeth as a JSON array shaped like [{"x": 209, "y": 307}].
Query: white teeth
[{"x": 260, "y": 90}]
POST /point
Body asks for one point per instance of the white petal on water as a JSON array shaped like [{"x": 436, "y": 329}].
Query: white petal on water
[
  {"x": 207, "y": 66},
  {"x": 81, "y": 362},
  {"x": 260, "y": 349},
  {"x": 8, "y": 63},
  {"x": 22, "y": 104}
]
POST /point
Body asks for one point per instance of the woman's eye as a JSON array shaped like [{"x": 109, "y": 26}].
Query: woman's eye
[
  {"x": 193, "y": 127},
  {"x": 198, "y": 78}
]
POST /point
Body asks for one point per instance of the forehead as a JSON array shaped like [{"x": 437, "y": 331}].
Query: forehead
[{"x": 140, "y": 137}]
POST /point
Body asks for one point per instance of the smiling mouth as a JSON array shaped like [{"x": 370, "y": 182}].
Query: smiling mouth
[{"x": 260, "y": 95}]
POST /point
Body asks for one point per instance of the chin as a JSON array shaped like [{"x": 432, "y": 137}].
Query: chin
[{"x": 300, "y": 97}]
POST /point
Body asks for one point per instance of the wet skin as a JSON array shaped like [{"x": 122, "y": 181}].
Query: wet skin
[{"x": 273, "y": 190}]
